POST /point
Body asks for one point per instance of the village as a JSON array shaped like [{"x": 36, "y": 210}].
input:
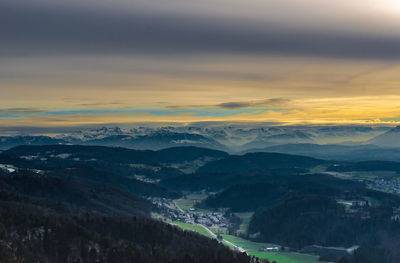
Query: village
[
  {"x": 169, "y": 210},
  {"x": 385, "y": 185}
]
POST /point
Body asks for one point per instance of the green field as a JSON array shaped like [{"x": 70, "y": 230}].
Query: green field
[
  {"x": 373, "y": 201},
  {"x": 318, "y": 169},
  {"x": 246, "y": 218},
  {"x": 246, "y": 244},
  {"x": 195, "y": 228},
  {"x": 286, "y": 257},
  {"x": 185, "y": 204},
  {"x": 219, "y": 230},
  {"x": 367, "y": 175},
  {"x": 281, "y": 257},
  {"x": 156, "y": 216},
  {"x": 253, "y": 247},
  {"x": 190, "y": 200}
]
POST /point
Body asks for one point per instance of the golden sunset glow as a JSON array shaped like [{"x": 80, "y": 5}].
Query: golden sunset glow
[{"x": 343, "y": 69}]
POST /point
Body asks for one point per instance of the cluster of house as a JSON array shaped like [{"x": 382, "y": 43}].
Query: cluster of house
[
  {"x": 356, "y": 208},
  {"x": 385, "y": 185},
  {"x": 168, "y": 209},
  {"x": 353, "y": 203},
  {"x": 270, "y": 249},
  {"x": 212, "y": 219},
  {"x": 7, "y": 168},
  {"x": 396, "y": 214}
]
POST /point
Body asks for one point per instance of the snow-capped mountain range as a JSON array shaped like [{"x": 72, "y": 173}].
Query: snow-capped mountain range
[{"x": 232, "y": 138}]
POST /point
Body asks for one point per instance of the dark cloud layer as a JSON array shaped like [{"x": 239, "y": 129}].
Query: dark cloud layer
[
  {"x": 42, "y": 30},
  {"x": 274, "y": 102},
  {"x": 13, "y": 111},
  {"x": 266, "y": 103}
]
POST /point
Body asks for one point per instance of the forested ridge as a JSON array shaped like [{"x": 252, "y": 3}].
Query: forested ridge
[
  {"x": 33, "y": 234},
  {"x": 301, "y": 221},
  {"x": 54, "y": 218}
]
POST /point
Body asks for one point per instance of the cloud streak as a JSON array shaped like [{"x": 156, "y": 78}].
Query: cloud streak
[
  {"x": 23, "y": 113},
  {"x": 18, "y": 111},
  {"x": 324, "y": 110},
  {"x": 274, "y": 102},
  {"x": 267, "y": 104}
]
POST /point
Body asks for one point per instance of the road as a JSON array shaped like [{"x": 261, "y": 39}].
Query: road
[
  {"x": 241, "y": 250},
  {"x": 177, "y": 206},
  {"x": 224, "y": 240}
]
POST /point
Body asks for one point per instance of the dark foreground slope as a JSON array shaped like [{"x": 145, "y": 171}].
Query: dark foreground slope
[
  {"x": 59, "y": 217},
  {"x": 69, "y": 195},
  {"x": 33, "y": 234}
]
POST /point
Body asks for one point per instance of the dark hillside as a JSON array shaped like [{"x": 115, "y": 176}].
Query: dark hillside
[
  {"x": 119, "y": 155},
  {"x": 269, "y": 190},
  {"x": 84, "y": 174},
  {"x": 259, "y": 162},
  {"x": 39, "y": 235},
  {"x": 189, "y": 153},
  {"x": 305, "y": 220},
  {"x": 69, "y": 195},
  {"x": 366, "y": 166}
]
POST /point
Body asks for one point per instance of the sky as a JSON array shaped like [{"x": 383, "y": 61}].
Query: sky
[{"x": 70, "y": 62}]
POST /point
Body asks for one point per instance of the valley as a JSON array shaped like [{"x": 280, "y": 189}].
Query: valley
[
  {"x": 272, "y": 206},
  {"x": 184, "y": 213},
  {"x": 205, "y": 131}
]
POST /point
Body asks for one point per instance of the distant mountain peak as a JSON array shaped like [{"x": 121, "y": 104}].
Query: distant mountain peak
[
  {"x": 390, "y": 138},
  {"x": 395, "y": 129}
]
